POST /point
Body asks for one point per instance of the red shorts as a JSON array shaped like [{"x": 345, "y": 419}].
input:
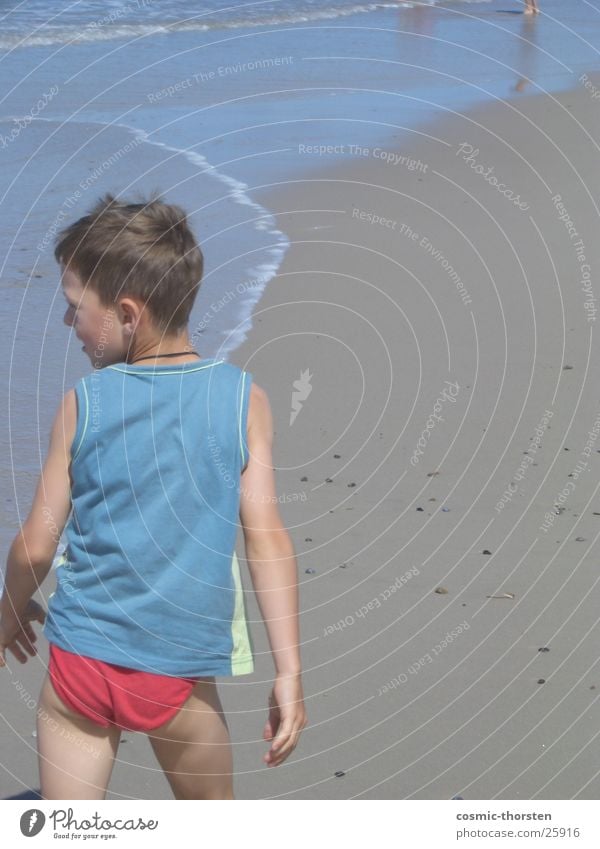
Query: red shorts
[{"x": 115, "y": 695}]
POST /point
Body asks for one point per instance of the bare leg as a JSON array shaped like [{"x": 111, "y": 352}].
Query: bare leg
[
  {"x": 194, "y": 747},
  {"x": 76, "y": 756},
  {"x": 531, "y": 7}
]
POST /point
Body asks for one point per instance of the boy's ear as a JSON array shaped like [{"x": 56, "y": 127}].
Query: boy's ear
[{"x": 128, "y": 314}]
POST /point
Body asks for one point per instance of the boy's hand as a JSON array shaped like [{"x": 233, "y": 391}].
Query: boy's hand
[
  {"x": 20, "y": 638},
  {"x": 287, "y": 718}
]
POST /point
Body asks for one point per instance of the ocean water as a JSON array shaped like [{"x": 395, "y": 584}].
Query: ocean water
[
  {"x": 43, "y": 22},
  {"x": 214, "y": 105}
]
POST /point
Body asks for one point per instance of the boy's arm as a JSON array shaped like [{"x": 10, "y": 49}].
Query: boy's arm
[
  {"x": 269, "y": 550},
  {"x": 33, "y": 549},
  {"x": 272, "y": 564}
]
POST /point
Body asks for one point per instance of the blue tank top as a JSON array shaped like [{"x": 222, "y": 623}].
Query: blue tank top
[{"x": 149, "y": 578}]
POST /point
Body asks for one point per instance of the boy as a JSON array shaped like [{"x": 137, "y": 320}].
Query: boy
[{"x": 155, "y": 453}]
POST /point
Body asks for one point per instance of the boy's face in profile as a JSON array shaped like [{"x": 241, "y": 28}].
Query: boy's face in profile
[{"x": 97, "y": 326}]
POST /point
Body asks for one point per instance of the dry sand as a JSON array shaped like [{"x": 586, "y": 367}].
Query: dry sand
[{"x": 486, "y": 302}]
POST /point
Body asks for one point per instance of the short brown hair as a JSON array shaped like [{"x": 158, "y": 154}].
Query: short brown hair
[{"x": 143, "y": 249}]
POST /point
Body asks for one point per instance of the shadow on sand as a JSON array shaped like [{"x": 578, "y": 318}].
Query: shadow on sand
[{"x": 26, "y": 794}]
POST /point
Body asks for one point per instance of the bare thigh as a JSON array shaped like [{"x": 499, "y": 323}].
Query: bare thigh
[
  {"x": 76, "y": 756},
  {"x": 194, "y": 748}
]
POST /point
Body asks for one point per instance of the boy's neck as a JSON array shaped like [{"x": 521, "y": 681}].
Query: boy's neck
[{"x": 152, "y": 349}]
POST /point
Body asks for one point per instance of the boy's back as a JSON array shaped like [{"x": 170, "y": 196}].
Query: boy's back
[{"x": 150, "y": 579}]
